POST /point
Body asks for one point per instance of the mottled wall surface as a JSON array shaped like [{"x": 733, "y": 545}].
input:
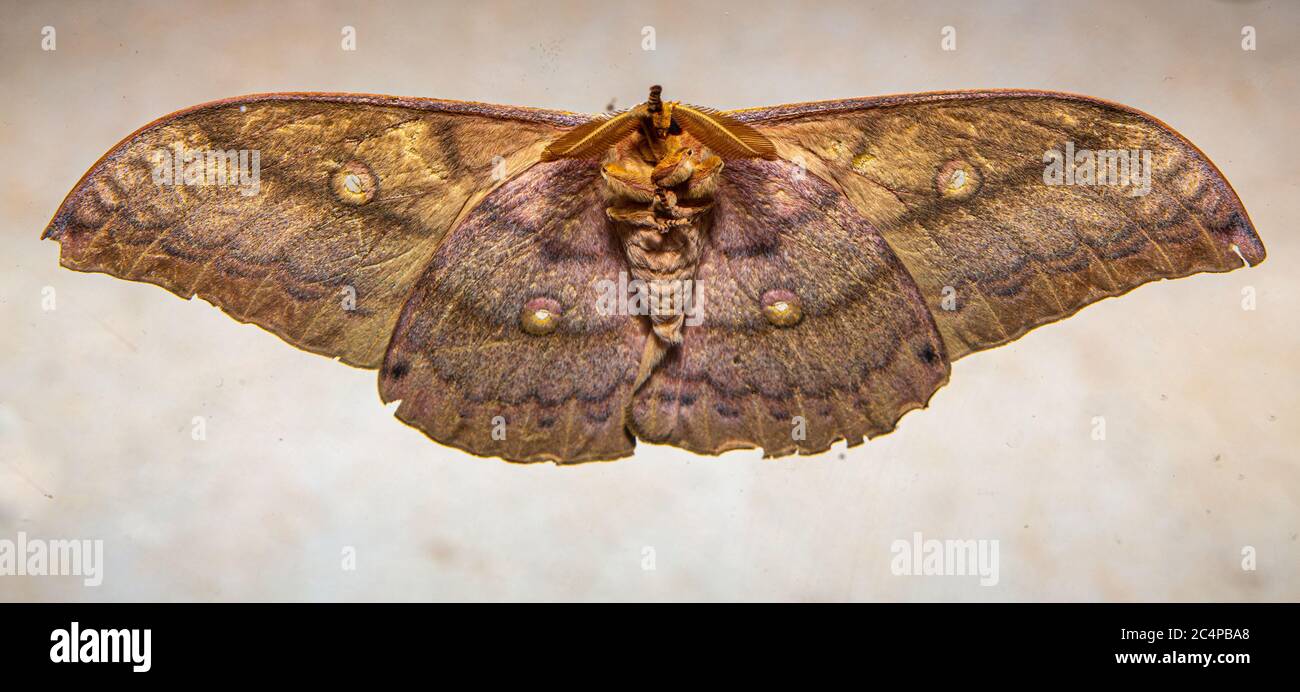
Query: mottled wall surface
[{"x": 301, "y": 460}]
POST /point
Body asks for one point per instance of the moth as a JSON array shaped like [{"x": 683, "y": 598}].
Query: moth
[{"x": 841, "y": 253}]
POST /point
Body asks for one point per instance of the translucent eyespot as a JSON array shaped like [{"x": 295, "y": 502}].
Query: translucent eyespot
[
  {"x": 957, "y": 180},
  {"x": 862, "y": 162},
  {"x": 781, "y": 308},
  {"x": 354, "y": 183},
  {"x": 540, "y": 316}
]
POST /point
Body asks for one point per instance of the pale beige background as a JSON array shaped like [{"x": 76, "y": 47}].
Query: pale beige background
[{"x": 301, "y": 460}]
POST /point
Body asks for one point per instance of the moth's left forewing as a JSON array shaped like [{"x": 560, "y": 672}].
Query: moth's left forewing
[
  {"x": 311, "y": 215},
  {"x": 963, "y": 187}
]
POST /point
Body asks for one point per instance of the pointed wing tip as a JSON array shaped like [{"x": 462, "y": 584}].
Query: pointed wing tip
[
  {"x": 1252, "y": 255},
  {"x": 1253, "y": 252},
  {"x": 1246, "y": 242}
]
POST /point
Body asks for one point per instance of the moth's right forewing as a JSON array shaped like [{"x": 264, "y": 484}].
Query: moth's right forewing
[{"x": 963, "y": 187}]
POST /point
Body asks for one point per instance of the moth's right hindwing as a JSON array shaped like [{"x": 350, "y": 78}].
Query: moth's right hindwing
[{"x": 853, "y": 349}]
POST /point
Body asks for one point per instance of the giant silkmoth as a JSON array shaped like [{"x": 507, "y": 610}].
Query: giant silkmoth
[{"x": 782, "y": 277}]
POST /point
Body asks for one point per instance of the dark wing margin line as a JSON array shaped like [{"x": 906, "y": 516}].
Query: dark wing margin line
[{"x": 770, "y": 115}]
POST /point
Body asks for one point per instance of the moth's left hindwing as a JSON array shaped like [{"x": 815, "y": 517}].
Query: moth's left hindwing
[
  {"x": 474, "y": 365},
  {"x": 862, "y": 352}
]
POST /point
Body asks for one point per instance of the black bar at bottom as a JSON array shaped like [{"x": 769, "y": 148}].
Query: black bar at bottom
[{"x": 663, "y": 642}]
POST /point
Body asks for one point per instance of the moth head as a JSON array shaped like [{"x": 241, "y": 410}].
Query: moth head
[
  {"x": 663, "y": 123},
  {"x": 659, "y": 114},
  {"x": 724, "y": 135}
]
